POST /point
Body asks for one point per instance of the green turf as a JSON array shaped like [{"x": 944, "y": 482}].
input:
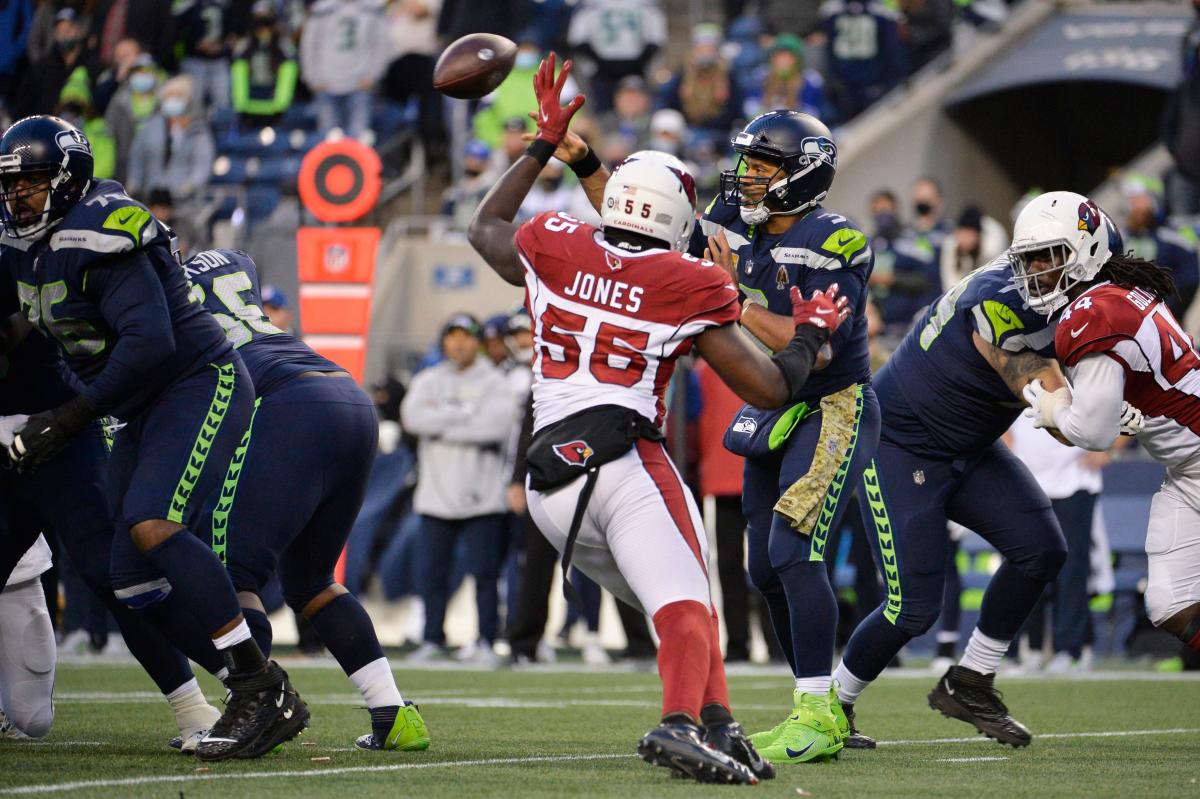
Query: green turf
[{"x": 511, "y": 715}]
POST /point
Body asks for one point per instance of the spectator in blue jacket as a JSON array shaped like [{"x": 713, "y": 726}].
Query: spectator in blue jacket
[
  {"x": 866, "y": 59},
  {"x": 16, "y": 18}
]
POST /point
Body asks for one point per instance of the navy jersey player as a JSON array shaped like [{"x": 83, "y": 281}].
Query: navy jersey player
[
  {"x": 949, "y": 392},
  {"x": 803, "y": 461},
  {"x": 294, "y": 488},
  {"x": 30, "y": 381},
  {"x": 94, "y": 272}
]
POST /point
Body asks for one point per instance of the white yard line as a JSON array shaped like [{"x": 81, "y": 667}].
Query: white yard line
[
  {"x": 325, "y": 772},
  {"x": 968, "y": 759}
]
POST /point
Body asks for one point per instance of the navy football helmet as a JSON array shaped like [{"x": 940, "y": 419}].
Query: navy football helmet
[
  {"x": 41, "y": 154},
  {"x": 806, "y": 158}
]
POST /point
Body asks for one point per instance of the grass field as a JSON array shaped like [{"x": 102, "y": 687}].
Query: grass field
[{"x": 561, "y": 733}]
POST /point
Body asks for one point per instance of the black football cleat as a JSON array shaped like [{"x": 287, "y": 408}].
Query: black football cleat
[
  {"x": 263, "y": 711},
  {"x": 854, "y": 738},
  {"x": 679, "y": 748},
  {"x": 731, "y": 739},
  {"x": 972, "y": 697}
]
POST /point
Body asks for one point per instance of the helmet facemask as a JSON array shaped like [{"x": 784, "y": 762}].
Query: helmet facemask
[
  {"x": 1044, "y": 273},
  {"x": 750, "y": 192},
  {"x": 21, "y": 217}
]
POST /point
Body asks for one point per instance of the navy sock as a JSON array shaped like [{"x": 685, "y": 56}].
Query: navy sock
[
  {"x": 777, "y": 605},
  {"x": 348, "y": 633},
  {"x": 198, "y": 577},
  {"x": 173, "y": 617},
  {"x": 1008, "y": 601},
  {"x": 873, "y": 645},
  {"x": 813, "y": 618},
  {"x": 382, "y": 719},
  {"x": 260, "y": 628},
  {"x": 165, "y": 664}
]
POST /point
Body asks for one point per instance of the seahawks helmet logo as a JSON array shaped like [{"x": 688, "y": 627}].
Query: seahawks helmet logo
[
  {"x": 819, "y": 148},
  {"x": 72, "y": 140},
  {"x": 574, "y": 453}
]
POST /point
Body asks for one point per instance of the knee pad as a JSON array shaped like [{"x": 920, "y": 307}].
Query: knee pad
[
  {"x": 1160, "y": 601},
  {"x": 1045, "y": 563},
  {"x": 144, "y": 595},
  {"x": 35, "y": 724},
  {"x": 764, "y": 577}
]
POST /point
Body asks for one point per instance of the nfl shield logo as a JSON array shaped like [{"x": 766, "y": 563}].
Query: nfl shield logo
[{"x": 919, "y": 477}]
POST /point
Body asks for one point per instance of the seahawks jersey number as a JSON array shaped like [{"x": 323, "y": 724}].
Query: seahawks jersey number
[{"x": 244, "y": 319}]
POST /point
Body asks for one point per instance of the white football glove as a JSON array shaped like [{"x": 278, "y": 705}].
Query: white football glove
[
  {"x": 9, "y": 425},
  {"x": 1044, "y": 404},
  {"x": 1131, "y": 420}
]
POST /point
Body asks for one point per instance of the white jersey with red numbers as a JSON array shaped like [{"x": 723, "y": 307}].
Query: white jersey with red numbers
[
  {"x": 608, "y": 324},
  {"x": 1161, "y": 365}
]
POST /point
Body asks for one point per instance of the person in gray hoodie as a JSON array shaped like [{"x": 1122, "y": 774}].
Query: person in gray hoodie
[
  {"x": 462, "y": 412},
  {"x": 344, "y": 51}
]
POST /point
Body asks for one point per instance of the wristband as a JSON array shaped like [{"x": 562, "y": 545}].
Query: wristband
[
  {"x": 587, "y": 166},
  {"x": 795, "y": 361},
  {"x": 541, "y": 151}
]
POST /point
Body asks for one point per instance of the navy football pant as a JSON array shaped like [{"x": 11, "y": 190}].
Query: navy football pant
[
  {"x": 907, "y": 500},
  {"x": 786, "y": 566},
  {"x": 164, "y": 465},
  {"x": 66, "y": 497},
  {"x": 295, "y": 486}
]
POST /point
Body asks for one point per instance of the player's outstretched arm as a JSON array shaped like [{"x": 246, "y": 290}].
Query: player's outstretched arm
[
  {"x": 591, "y": 173},
  {"x": 491, "y": 231},
  {"x": 770, "y": 382}
]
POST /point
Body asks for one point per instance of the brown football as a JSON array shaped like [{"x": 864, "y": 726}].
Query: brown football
[{"x": 474, "y": 65}]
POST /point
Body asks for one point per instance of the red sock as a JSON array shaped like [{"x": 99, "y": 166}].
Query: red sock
[
  {"x": 1194, "y": 644},
  {"x": 716, "y": 692},
  {"x": 684, "y": 633}
]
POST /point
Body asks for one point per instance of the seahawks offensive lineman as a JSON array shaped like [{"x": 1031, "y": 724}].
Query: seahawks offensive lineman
[
  {"x": 948, "y": 393},
  {"x": 94, "y": 272}
]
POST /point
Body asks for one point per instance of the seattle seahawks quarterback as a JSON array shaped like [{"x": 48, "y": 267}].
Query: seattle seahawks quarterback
[
  {"x": 769, "y": 230},
  {"x": 94, "y": 272},
  {"x": 311, "y": 440},
  {"x": 949, "y": 392}
]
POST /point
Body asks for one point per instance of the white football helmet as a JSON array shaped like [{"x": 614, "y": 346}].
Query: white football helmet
[
  {"x": 1060, "y": 239},
  {"x": 653, "y": 194}
]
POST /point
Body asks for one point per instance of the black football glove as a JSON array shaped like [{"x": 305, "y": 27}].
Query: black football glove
[{"x": 47, "y": 433}]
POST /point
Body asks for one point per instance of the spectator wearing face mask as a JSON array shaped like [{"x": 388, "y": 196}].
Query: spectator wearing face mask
[
  {"x": 976, "y": 240},
  {"x": 907, "y": 271},
  {"x": 668, "y": 132},
  {"x": 174, "y": 150},
  {"x": 75, "y": 106},
  {"x": 929, "y": 225},
  {"x": 554, "y": 192},
  {"x": 1152, "y": 238},
  {"x": 135, "y": 101},
  {"x": 616, "y": 38},
  {"x": 478, "y": 176},
  {"x": 45, "y": 79},
  {"x": 514, "y": 98},
  {"x": 125, "y": 55},
  {"x": 264, "y": 69},
  {"x": 788, "y": 83},
  {"x": 626, "y": 128},
  {"x": 704, "y": 91}
]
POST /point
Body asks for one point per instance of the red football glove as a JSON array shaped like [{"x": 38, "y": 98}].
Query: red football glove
[
  {"x": 824, "y": 309},
  {"x": 553, "y": 117}
]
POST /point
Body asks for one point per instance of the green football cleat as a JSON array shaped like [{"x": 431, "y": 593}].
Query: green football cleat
[
  {"x": 810, "y": 734},
  {"x": 408, "y": 733},
  {"x": 839, "y": 715}
]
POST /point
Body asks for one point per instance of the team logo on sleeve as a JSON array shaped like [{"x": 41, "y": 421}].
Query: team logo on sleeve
[
  {"x": 1089, "y": 216},
  {"x": 574, "y": 453},
  {"x": 746, "y": 425}
]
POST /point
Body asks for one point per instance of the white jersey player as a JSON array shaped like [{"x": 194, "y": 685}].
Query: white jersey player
[
  {"x": 612, "y": 310},
  {"x": 1122, "y": 347},
  {"x": 27, "y": 654}
]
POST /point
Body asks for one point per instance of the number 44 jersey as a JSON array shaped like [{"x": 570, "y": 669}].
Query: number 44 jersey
[
  {"x": 609, "y": 323},
  {"x": 1162, "y": 368}
]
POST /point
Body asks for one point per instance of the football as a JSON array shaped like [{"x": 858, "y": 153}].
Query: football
[{"x": 474, "y": 65}]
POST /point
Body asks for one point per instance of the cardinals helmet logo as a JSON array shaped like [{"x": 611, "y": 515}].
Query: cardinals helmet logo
[
  {"x": 574, "y": 453},
  {"x": 1089, "y": 216}
]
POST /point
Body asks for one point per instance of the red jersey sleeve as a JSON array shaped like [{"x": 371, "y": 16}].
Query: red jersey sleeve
[
  {"x": 711, "y": 297},
  {"x": 528, "y": 237},
  {"x": 1095, "y": 322}
]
